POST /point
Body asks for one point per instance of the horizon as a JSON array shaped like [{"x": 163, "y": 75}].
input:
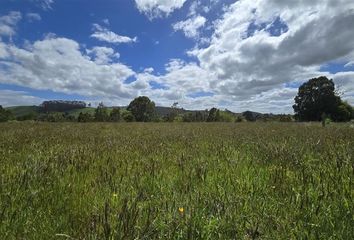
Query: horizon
[{"x": 238, "y": 55}]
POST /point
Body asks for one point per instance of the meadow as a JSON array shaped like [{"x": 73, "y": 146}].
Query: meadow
[{"x": 176, "y": 181}]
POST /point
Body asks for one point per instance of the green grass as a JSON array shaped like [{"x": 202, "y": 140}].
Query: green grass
[{"x": 128, "y": 181}]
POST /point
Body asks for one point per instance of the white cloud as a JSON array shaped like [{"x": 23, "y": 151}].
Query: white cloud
[
  {"x": 106, "y": 21},
  {"x": 8, "y": 23},
  {"x": 247, "y": 66},
  {"x": 105, "y": 35},
  {"x": 59, "y": 65},
  {"x": 245, "y": 70},
  {"x": 44, "y": 4},
  {"x": 10, "y": 98},
  {"x": 103, "y": 55},
  {"x": 33, "y": 17},
  {"x": 191, "y": 26},
  {"x": 158, "y": 8}
]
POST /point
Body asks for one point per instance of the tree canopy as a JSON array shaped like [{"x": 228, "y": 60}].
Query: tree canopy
[
  {"x": 317, "y": 98},
  {"x": 5, "y": 115},
  {"x": 142, "y": 108}
]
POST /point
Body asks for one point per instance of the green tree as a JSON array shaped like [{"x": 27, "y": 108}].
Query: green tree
[
  {"x": 85, "y": 117},
  {"x": 5, "y": 114},
  {"x": 344, "y": 112},
  {"x": 317, "y": 97},
  {"x": 143, "y": 109},
  {"x": 214, "y": 115},
  {"x": 115, "y": 115},
  {"x": 173, "y": 113},
  {"x": 101, "y": 113},
  {"x": 128, "y": 116}
]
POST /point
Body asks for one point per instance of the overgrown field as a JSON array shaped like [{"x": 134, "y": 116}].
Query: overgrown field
[{"x": 176, "y": 181}]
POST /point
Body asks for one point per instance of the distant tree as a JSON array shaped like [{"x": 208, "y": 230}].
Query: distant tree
[
  {"x": 189, "y": 117},
  {"x": 115, "y": 115},
  {"x": 128, "y": 116},
  {"x": 317, "y": 97},
  {"x": 143, "y": 109},
  {"x": 344, "y": 113},
  {"x": 249, "y": 116},
  {"x": 85, "y": 117},
  {"x": 61, "y": 106},
  {"x": 101, "y": 113},
  {"x": 214, "y": 115},
  {"x": 51, "y": 117},
  {"x": 5, "y": 114},
  {"x": 173, "y": 113},
  {"x": 28, "y": 116}
]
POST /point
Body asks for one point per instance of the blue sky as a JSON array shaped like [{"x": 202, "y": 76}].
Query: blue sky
[{"x": 239, "y": 55}]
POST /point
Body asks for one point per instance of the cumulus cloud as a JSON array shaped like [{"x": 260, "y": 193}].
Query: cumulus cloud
[
  {"x": 158, "y": 8},
  {"x": 105, "y": 35},
  {"x": 59, "y": 65},
  {"x": 257, "y": 50},
  {"x": 248, "y": 65},
  {"x": 103, "y": 55},
  {"x": 10, "y": 98},
  {"x": 8, "y": 23},
  {"x": 191, "y": 26}
]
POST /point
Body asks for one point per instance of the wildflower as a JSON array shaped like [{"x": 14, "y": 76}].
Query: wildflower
[
  {"x": 115, "y": 195},
  {"x": 181, "y": 210}
]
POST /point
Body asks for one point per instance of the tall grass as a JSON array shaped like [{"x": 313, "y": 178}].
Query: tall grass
[{"x": 176, "y": 181}]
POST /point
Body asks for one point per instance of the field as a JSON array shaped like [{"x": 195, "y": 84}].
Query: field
[{"x": 176, "y": 181}]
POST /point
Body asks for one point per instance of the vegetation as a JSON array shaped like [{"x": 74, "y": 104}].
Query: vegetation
[
  {"x": 143, "y": 109},
  {"x": 317, "y": 99},
  {"x": 176, "y": 181},
  {"x": 60, "y": 105},
  {"x": 5, "y": 114}
]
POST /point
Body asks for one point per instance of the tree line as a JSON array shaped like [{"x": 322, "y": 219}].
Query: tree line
[{"x": 317, "y": 100}]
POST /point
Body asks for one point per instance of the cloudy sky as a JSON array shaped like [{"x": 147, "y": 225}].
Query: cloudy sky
[{"x": 240, "y": 55}]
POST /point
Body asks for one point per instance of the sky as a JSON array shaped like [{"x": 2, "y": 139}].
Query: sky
[{"x": 237, "y": 55}]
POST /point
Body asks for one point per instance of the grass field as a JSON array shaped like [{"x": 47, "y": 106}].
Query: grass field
[{"x": 176, "y": 181}]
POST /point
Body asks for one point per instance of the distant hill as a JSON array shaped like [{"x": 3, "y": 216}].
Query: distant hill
[{"x": 21, "y": 111}]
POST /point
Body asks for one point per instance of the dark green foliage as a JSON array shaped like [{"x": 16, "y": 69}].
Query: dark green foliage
[
  {"x": 317, "y": 97},
  {"x": 214, "y": 115},
  {"x": 143, "y": 109},
  {"x": 128, "y": 116},
  {"x": 173, "y": 113},
  {"x": 115, "y": 115},
  {"x": 101, "y": 113},
  {"x": 52, "y": 117},
  {"x": 5, "y": 115},
  {"x": 29, "y": 116},
  {"x": 85, "y": 117},
  {"x": 61, "y": 106},
  {"x": 344, "y": 113}
]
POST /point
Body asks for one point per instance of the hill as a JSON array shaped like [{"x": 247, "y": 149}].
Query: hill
[{"x": 23, "y": 111}]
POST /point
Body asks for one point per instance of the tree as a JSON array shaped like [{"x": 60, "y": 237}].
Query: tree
[
  {"x": 128, "y": 116},
  {"x": 214, "y": 115},
  {"x": 143, "y": 109},
  {"x": 101, "y": 113},
  {"x": 316, "y": 98},
  {"x": 173, "y": 113},
  {"x": 5, "y": 114},
  {"x": 84, "y": 117},
  {"x": 115, "y": 115}
]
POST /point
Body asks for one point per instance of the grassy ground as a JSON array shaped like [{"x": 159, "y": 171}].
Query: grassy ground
[{"x": 176, "y": 181}]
